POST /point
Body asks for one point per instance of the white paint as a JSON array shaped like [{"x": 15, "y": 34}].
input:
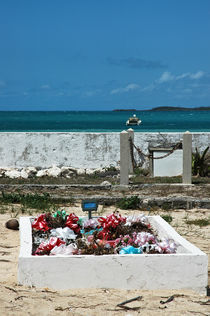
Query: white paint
[
  {"x": 79, "y": 150},
  {"x": 169, "y": 166},
  {"x": 187, "y": 269}
]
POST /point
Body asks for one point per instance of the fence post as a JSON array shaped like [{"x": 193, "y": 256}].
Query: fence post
[
  {"x": 124, "y": 158},
  {"x": 131, "y": 135},
  {"x": 187, "y": 158}
]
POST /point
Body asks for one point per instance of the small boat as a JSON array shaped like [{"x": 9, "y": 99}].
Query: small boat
[{"x": 134, "y": 120}]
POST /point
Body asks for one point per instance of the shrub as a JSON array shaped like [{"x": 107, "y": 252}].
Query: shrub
[
  {"x": 200, "y": 163},
  {"x": 129, "y": 203}
]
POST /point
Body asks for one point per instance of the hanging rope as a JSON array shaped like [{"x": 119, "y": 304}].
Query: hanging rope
[{"x": 132, "y": 145}]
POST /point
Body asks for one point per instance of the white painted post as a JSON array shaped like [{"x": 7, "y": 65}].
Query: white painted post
[
  {"x": 187, "y": 158},
  {"x": 131, "y": 135},
  {"x": 124, "y": 158}
]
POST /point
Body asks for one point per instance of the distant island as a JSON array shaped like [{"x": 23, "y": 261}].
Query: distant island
[
  {"x": 169, "y": 108},
  {"x": 177, "y": 108}
]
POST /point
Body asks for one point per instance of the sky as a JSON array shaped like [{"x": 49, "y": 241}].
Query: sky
[{"x": 104, "y": 54}]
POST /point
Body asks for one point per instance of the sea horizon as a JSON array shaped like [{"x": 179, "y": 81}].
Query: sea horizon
[{"x": 105, "y": 121}]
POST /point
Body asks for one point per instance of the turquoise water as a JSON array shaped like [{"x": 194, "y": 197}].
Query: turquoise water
[{"x": 104, "y": 121}]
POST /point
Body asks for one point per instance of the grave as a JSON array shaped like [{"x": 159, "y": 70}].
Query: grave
[{"x": 185, "y": 269}]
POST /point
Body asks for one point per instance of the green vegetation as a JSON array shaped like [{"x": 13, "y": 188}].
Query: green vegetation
[
  {"x": 33, "y": 201},
  {"x": 168, "y": 218},
  {"x": 200, "y": 222},
  {"x": 200, "y": 163},
  {"x": 129, "y": 203},
  {"x": 141, "y": 172}
]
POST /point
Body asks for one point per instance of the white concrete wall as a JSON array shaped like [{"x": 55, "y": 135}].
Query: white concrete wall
[
  {"x": 169, "y": 166},
  {"x": 79, "y": 150}
]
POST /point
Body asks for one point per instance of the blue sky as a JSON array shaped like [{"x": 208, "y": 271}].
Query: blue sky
[{"x": 104, "y": 54}]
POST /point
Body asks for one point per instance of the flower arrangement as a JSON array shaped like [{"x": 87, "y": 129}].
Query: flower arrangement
[{"x": 62, "y": 234}]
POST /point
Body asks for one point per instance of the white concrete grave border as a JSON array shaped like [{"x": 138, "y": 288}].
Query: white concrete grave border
[{"x": 187, "y": 269}]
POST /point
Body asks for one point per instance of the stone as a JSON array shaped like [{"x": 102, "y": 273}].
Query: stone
[
  {"x": 13, "y": 174},
  {"x": 54, "y": 171},
  {"x": 81, "y": 171},
  {"x": 42, "y": 173},
  {"x": 67, "y": 172},
  {"x": 12, "y": 224},
  {"x": 106, "y": 183},
  {"x": 23, "y": 174},
  {"x": 31, "y": 171}
]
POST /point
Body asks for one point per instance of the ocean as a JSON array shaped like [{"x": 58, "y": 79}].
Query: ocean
[{"x": 104, "y": 121}]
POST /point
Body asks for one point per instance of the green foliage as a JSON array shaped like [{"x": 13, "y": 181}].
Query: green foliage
[
  {"x": 200, "y": 222},
  {"x": 35, "y": 201},
  {"x": 130, "y": 203},
  {"x": 141, "y": 171},
  {"x": 200, "y": 163},
  {"x": 168, "y": 218}
]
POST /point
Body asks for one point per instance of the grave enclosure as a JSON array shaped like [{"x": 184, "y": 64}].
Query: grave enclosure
[{"x": 186, "y": 269}]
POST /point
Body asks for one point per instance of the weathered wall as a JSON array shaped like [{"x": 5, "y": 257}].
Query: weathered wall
[{"x": 79, "y": 150}]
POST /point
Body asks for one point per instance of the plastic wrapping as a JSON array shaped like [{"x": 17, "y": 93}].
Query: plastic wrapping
[
  {"x": 45, "y": 247},
  {"x": 63, "y": 233},
  {"x": 60, "y": 213},
  {"x": 130, "y": 250},
  {"x": 64, "y": 250}
]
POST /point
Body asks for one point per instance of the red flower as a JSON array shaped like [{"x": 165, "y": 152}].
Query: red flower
[
  {"x": 111, "y": 221},
  {"x": 71, "y": 222},
  {"x": 40, "y": 223}
]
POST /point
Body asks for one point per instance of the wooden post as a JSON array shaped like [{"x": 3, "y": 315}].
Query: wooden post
[
  {"x": 131, "y": 135},
  {"x": 187, "y": 158},
  {"x": 124, "y": 158}
]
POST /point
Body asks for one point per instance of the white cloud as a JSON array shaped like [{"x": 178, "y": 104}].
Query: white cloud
[
  {"x": 128, "y": 88},
  {"x": 165, "y": 77},
  {"x": 182, "y": 76},
  {"x": 197, "y": 75}
]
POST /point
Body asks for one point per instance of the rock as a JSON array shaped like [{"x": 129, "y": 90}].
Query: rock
[
  {"x": 42, "y": 173},
  {"x": 31, "y": 171},
  {"x": 67, "y": 172},
  {"x": 12, "y": 224},
  {"x": 2, "y": 172},
  {"x": 90, "y": 171},
  {"x": 81, "y": 171},
  {"x": 13, "y": 174},
  {"x": 24, "y": 174},
  {"x": 106, "y": 183},
  {"x": 54, "y": 171}
]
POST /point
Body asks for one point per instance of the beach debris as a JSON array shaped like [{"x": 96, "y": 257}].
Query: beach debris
[
  {"x": 12, "y": 224},
  {"x": 123, "y": 304},
  {"x": 170, "y": 299}
]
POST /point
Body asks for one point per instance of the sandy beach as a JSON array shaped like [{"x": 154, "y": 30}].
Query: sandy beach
[{"x": 21, "y": 300}]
